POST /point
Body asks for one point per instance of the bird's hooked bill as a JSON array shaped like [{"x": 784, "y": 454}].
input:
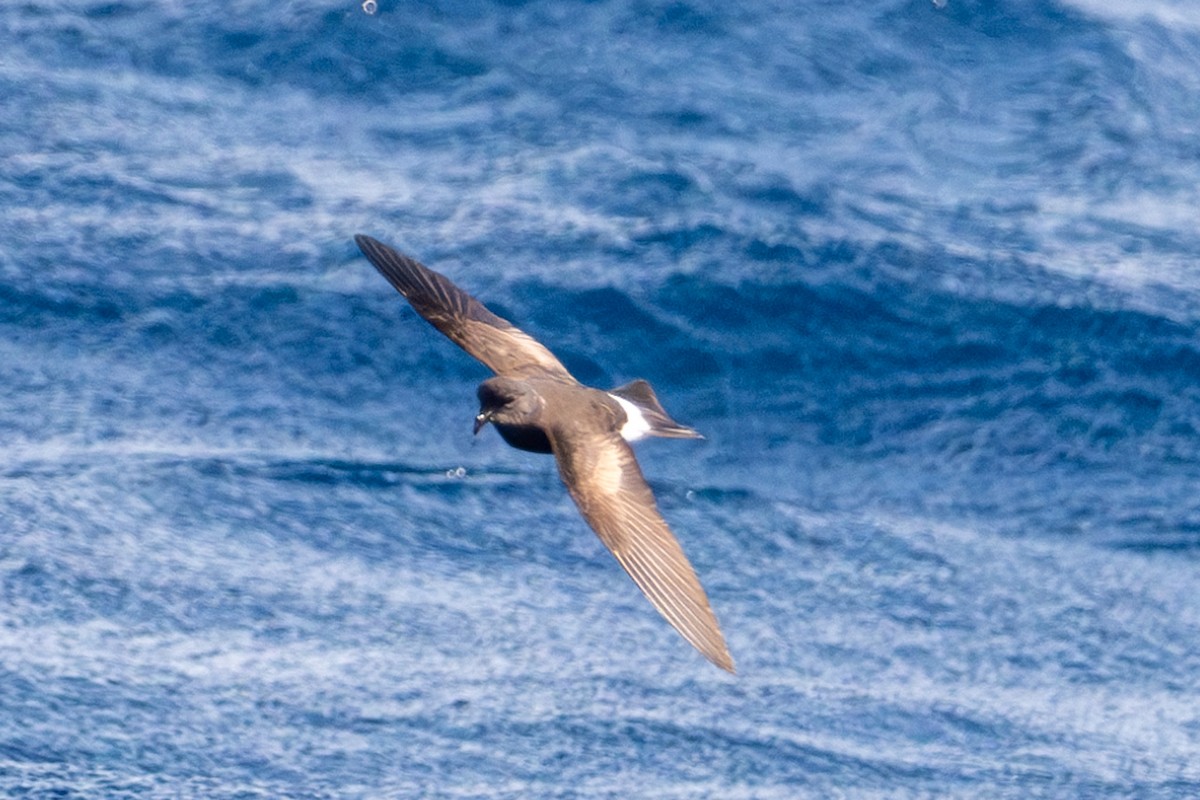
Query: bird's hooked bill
[{"x": 481, "y": 419}]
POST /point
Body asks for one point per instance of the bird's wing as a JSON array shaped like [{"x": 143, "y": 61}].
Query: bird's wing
[
  {"x": 499, "y": 344},
  {"x": 604, "y": 479}
]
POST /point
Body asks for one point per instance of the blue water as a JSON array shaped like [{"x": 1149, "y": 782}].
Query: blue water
[{"x": 927, "y": 278}]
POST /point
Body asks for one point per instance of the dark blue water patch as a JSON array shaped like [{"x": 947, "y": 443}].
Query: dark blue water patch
[
  {"x": 1127, "y": 373},
  {"x": 1022, "y": 24},
  {"x": 250, "y": 49},
  {"x": 23, "y": 307},
  {"x": 1151, "y": 530},
  {"x": 234, "y": 333},
  {"x": 589, "y": 325},
  {"x": 680, "y": 238},
  {"x": 798, "y": 202}
]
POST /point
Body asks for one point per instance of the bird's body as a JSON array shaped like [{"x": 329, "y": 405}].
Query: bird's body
[{"x": 537, "y": 405}]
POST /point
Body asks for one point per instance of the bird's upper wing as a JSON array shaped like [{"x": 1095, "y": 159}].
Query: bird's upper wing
[
  {"x": 499, "y": 344},
  {"x": 604, "y": 479}
]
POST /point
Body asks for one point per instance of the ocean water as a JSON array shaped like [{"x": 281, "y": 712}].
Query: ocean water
[{"x": 927, "y": 276}]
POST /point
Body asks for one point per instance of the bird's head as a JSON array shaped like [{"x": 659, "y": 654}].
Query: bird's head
[{"x": 506, "y": 401}]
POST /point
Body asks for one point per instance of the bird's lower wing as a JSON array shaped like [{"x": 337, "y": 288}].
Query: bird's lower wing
[{"x": 604, "y": 479}]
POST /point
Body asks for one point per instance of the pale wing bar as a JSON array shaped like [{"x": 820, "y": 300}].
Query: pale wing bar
[
  {"x": 500, "y": 345},
  {"x": 624, "y": 515}
]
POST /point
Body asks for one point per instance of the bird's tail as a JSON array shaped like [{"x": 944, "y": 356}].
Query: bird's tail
[{"x": 641, "y": 395}]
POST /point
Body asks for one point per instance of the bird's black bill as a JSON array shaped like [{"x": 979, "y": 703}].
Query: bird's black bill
[{"x": 480, "y": 421}]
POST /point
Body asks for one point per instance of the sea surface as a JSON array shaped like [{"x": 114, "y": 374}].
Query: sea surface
[{"x": 926, "y": 275}]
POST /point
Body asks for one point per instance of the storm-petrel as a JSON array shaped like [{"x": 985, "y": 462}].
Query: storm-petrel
[{"x": 537, "y": 405}]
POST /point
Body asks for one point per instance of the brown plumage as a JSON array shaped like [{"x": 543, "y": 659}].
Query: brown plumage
[{"x": 537, "y": 405}]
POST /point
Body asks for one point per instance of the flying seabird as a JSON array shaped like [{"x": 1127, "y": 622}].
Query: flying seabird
[{"x": 537, "y": 405}]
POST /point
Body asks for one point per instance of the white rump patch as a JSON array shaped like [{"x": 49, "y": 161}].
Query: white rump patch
[{"x": 635, "y": 427}]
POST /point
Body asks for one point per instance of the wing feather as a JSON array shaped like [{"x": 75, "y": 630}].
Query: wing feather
[
  {"x": 604, "y": 479},
  {"x": 500, "y": 345}
]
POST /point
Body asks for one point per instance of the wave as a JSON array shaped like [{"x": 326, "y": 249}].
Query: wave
[{"x": 881, "y": 364}]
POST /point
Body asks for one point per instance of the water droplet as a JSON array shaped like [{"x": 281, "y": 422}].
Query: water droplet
[{"x": 370, "y": 6}]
